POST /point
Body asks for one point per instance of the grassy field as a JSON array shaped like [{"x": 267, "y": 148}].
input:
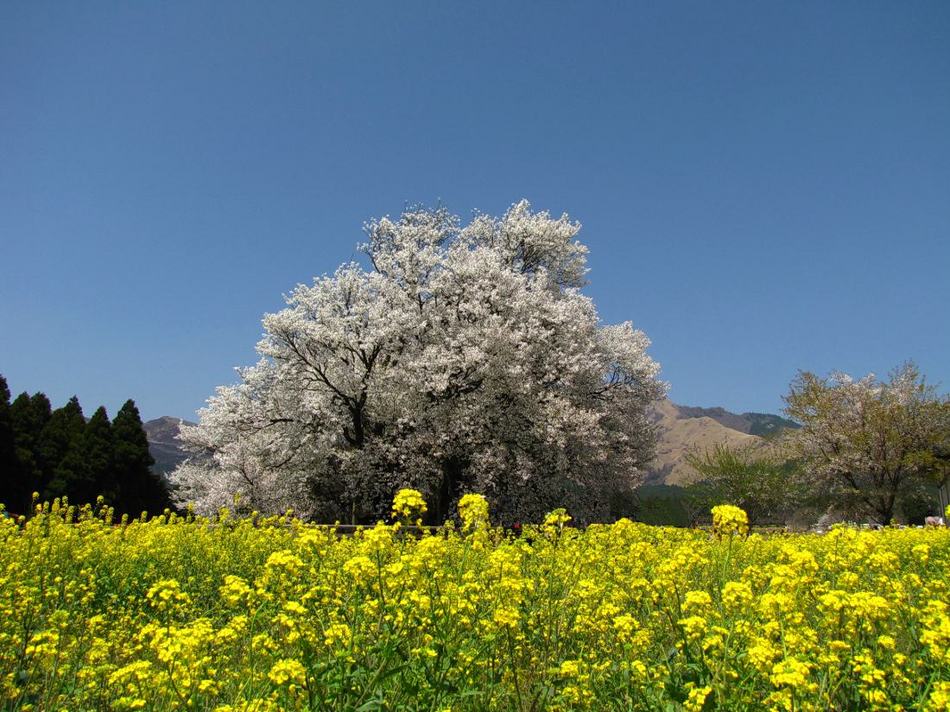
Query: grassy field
[{"x": 270, "y": 613}]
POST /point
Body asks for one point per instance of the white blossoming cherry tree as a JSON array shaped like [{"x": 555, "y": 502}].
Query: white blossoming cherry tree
[{"x": 460, "y": 359}]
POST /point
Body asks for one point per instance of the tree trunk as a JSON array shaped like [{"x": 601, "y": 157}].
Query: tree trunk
[
  {"x": 453, "y": 469},
  {"x": 885, "y": 508},
  {"x": 943, "y": 496}
]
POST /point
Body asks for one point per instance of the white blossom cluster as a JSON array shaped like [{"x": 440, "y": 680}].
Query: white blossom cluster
[{"x": 465, "y": 359}]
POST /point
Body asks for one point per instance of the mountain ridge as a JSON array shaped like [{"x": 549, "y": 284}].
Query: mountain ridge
[
  {"x": 163, "y": 445},
  {"x": 751, "y": 423}
]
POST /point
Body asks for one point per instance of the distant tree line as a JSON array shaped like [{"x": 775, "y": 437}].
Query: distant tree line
[{"x": 58, "y": 453}]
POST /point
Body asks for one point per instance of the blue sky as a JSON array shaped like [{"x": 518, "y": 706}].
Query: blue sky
[{"x": 764, "y": 187}]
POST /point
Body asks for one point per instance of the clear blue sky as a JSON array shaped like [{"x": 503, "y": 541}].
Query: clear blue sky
[{"x": 764, "y": 187}]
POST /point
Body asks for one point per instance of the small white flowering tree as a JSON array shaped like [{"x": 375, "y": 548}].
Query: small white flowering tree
[
  {"x": 867, "y": 440},
  {"x": 464, "y": 359}
]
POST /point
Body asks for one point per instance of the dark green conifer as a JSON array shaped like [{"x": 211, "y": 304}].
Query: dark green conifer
[
  {"x": 28, "y": 418},
  {"x": 99, "y": 450},
  {"x": 12, "y": 485},
  {"x": 139, "y": 489},
  {"x": 61, "y": 453}
]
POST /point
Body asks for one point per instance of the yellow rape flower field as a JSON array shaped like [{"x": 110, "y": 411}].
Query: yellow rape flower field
[{"x": 273, "y": 614}]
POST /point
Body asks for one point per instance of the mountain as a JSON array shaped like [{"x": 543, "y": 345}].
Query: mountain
[
  {"x": 681, "y": 429},
  {"x": 762, "y": 424},
  {"x": 685, "y": 428},
  {"x": 163, "y": 443}
]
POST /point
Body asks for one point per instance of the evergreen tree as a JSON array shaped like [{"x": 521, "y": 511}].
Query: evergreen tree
[
  {"x": 28, "y": 417},
  {"x": 139, "y": 489},
  {"x": 99, "y": 451},
  {"x": 61, "y": 452},
  {"x": 12, "y": 485}
]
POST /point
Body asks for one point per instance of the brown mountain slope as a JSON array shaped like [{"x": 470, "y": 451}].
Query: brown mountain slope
[{"x": 681, "y": 431}]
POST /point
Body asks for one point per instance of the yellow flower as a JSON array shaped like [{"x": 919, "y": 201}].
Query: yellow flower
[
  {"x": 359, "y": 567},
  {"x": 761, "y": 654},
  {"x": 235, "y": 590},
  {"x": 408, "y": 504},
  {"x": 287, "y": 672},
  {"x": 506, "y": 617},
  {"x": 557, "y": 519},
  {"x": 790, "y": 672},
  {"x": 696, "y": 699},
  {"x": 736, "y": 595},
  {"x": 696, "y": 601},
  {"x": 337, "y": 635},
  {"x": 473, "y": 509},
  {"x": 167, "y": 595},
  {"x": 625, "y": 626},
  {"x": 693, "y": 626},
  {"x": 939, "y": 700},
  {"x": 569, "y": 668},
  {"x": 729, "y": 520}
]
